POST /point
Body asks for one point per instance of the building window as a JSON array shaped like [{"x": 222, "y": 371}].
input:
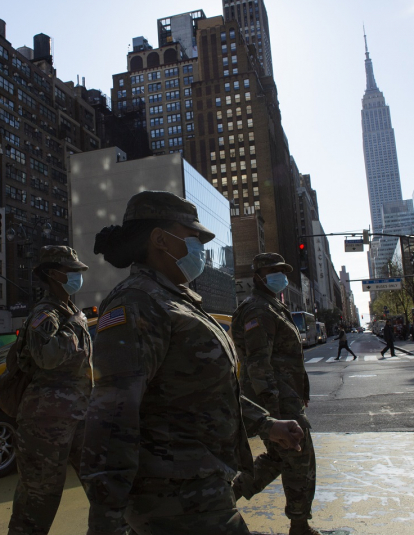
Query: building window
[
  {"x": 121, "y": 82},
  {"x": 246, "y": 83},
  {"x": 218, "y": 101},
  {"x": 231, "y": 140},
  {"x": 189, "y": 103},
  {"x": 154, "y": 75},
  {"x": 152, "y": 87},
  {"x": 239, "y": 125},
  {"x": 221, "y": 141},
  {"x": 138, "y": 79},
  {"x": 155, "y": 110},
  {"x": 234, "y": 60},
  {"x": 251, "y": 136},
  {"x": 241, "y": 151},
  {"x": 168, "y": 73},
  {"x": 159, "y": 132},
  {"x": 237, "y": 98},
  {"x": 250, "y": 123},
  {"x": 224, "y": 49},
  {"x": 214, "y": 169},
  {"x": 39, "y": 203},
  {"x": 228, "y": 100},
  {"x": 172, "y": 130},
  {"x": 122, "y": 93},
  {"x": 213, "y": 156},
  {"x": 188, "y": 92},
  {"x": 232, "y": 33},
  {"x": 170, "y": 84},
  {"x": 223, "y": 37},
  {"x": 219, "y": 115},
  {"x": 174, "y": 106},
  {"x": 230, "y": 126},
  {"x": 190, "y": 127},
  {"x": 188, "y": 80},
  {"x": 247, "y": 95},
  {"x": 229, "y": 113},
  {"x": 223, "y": 168},
  {"x": 236, "y": 85},
  {"x": 233, "y": 47},
  {"x": 187, "y": 69},
  {"x": 155, "y": 98},
  {"x": 253, "y": 164},
  {"x": 226, "y": 72},
  {"x": 176, "y": 117},
  {"x": 240, "y": 138},
  {"x": 224, "y": 181},
  {"x": 158, "y": 144},
  {"x": 174, "y": 141}
]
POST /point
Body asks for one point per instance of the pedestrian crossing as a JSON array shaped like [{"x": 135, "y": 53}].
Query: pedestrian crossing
[{"x": 365, "y": 358}]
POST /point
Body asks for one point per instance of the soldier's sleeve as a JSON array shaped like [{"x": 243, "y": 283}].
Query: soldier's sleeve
[
  {"x": 259, "y": 333},
  {"x": 132, "y": 340},
  {"x": 50, "y": 342},
  {"x": 256, "y": 419}
]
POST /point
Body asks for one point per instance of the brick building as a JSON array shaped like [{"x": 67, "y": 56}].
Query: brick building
[{"x": 42, "y": 121}]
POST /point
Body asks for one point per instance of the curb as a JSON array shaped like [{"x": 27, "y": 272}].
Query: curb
[{"x": 396, "y": 347}]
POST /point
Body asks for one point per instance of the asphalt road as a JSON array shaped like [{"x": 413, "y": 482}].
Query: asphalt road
[{"x": 369, "y": 394}]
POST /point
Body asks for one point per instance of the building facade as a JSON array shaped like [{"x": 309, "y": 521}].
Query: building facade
[
  {"x": 251, "y": 16},
  {"x": 380, "y": 152},
  {"x": 102, "y": 183},
  {"x": 42, "y": 121}
]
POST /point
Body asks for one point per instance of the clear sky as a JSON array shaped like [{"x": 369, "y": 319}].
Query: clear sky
[{"x": 318, "y": 57}]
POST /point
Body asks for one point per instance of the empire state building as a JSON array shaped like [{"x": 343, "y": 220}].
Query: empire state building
[{"x": 381, "y": 163}]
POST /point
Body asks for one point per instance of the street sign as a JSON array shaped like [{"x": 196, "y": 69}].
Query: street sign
[
  {"x": 354, "y": 246},
  {"x": 375, "y": 285}
]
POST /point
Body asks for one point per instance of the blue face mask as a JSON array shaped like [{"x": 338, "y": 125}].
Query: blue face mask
[
  {"x": 74, "y": 283},
  {"x": 192, "y": 265},
  {"x": 276, "y": 282}
]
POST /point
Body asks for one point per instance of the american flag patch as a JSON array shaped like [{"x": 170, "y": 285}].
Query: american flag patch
[
  {"x": 251, "y": 325},
  {"x": 116, "y": 316},
  {"x": 39, "y": 319}
]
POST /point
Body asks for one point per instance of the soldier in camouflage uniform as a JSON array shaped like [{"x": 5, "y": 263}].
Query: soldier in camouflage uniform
[
  {"x": 164, "y": 433},
  {"x": 51, "y": 414},
  {"x": 273, "y": 375}
]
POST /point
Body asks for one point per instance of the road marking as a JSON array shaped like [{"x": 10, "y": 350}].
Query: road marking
[
  {"x": 349, "y": 358},
  {"x": 331, "y": 359},
  {"x": 362, "y": 376},
  {"x": 312, "y": 361},
  {"x": 370, "y": 357}
]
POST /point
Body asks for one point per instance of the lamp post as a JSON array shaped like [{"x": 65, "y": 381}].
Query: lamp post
[{"x": 28, "y": 242}]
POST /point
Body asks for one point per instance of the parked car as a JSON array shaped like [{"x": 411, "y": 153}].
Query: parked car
[{"x": 7, "y": 428}]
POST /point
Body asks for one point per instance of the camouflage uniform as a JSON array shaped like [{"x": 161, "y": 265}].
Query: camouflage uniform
[
  {"x": 273, "y": 375},
  {"x": 164, "y": 432},
  {"x": 52, "y": 412}
]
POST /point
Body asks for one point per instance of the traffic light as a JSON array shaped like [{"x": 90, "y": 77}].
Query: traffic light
[
  {"x": 38, "y": 293},
  {"x": 362, "y": 317},
  {"x": 302, "y": 248},
  {"x": 365, "y": 237}
]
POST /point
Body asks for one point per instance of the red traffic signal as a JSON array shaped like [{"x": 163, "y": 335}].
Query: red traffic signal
[{"x": 301, "y": 247}]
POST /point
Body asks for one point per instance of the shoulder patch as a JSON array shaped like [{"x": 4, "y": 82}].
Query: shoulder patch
[
  {"x": 116, "y": 316},
  {"x": 39, "y": 320},
  {"x": 251, "y": 325}
]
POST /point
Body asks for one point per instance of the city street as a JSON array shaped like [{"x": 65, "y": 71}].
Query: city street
[
  {"x": 368, "y": 394},
  {"x": 358, "y": 410}
]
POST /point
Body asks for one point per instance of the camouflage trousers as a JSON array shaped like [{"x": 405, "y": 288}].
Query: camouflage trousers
[
  {"x": 43, "y": 449},
  {"x": 184, "y": 507},
  {"x": 298, "y": 470}
]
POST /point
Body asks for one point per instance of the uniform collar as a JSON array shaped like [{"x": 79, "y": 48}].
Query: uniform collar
[
  {"x": 51, "y": 298},
  {"x": 165, "y": 282},
  {"x": 272, "y": 300}
]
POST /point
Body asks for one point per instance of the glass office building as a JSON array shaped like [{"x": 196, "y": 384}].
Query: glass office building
[{"x": 216, "y": 285}]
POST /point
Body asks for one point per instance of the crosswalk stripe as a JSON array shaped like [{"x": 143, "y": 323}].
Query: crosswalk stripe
[
  {"x": 349, "y": 358},
  {"x": 370, "y": 357},
  {"x": 330, "y": 359},
  {"x": 312, "y": 361}
]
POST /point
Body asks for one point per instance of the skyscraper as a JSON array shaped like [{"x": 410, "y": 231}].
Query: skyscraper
[
  {"x": 381, "y": 163},
  {"x": 252, "y": 18}
]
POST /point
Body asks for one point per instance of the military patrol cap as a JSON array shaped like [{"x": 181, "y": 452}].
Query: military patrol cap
[
  {"x": 270, "y": 260},
  {"x": 166, "y": 206},
  {"x": 60, "y": 254}
]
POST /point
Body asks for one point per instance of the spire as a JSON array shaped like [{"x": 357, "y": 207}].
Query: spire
[{"x": 369, "y": 70}]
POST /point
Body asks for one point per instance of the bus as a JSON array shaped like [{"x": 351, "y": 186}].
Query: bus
[
  {"x": 321, "y": 332},
  {"x": 306, "y": 324}
]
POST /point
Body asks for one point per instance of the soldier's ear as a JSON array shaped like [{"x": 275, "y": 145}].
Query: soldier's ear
[{"x": 157, "y": 239}]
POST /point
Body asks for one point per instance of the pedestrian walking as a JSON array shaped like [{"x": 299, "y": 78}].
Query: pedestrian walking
[
  {"x": 164, "y": 433},
  {"x": 389, "y": 338},
  {"x": 50, "y": 418},
  {"x": 343, "y": 344},
  {"x": 273, "y": 375}
]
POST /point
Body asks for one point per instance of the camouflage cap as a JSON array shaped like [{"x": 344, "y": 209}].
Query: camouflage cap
[
  {"x": 60, "y": 254},
  {"x": 270, "y": 260},
  {"x": 168, "y": 206}
]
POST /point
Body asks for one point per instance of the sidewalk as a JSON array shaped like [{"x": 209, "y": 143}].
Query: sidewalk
[{"x": 365, "y": 486}]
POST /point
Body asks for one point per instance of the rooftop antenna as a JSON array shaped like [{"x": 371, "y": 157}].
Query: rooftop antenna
[{"x": 366, "y": 43}]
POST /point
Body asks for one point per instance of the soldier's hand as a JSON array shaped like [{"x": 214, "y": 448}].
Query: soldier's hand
[{"x": 287, "y": 433}]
